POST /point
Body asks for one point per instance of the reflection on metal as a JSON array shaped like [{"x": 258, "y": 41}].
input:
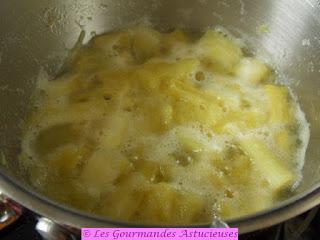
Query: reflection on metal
[
  {"x": 216, "y": 223},
  {"x": 52, "y": 231},
  {"x": 9, "y": 211}
]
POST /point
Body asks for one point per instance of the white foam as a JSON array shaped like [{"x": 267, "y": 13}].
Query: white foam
[{"x": 303, "y": 136}]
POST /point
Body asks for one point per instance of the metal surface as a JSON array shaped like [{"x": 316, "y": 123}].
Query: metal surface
[
  {"x": 49, "y": 230},
  {"x": 9, "y": 212},
  {"x": 36, "y": 34}
]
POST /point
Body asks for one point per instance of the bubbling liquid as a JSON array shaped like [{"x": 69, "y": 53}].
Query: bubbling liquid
[{"x": 165, "y": 128}]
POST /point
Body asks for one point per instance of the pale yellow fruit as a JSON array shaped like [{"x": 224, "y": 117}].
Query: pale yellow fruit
[
  {"x": 252, "y": 70},
  {"x": 146, "y": 43},
  {"x": 270, "y": 166},
  {"x": 219, "y": 52},
  {"x": 278, "y": 104}
]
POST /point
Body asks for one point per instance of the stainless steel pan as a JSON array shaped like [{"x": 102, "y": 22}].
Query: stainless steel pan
[{"x": 36, "y": 34}]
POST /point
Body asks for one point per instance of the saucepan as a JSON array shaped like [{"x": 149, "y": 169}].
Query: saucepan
[{"x": 36, "y": 35}]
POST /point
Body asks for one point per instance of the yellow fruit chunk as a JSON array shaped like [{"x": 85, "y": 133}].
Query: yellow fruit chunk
[
  {"x": 219, "y": 52},
  {"x": 161, "y": 75},
  {"x": 175, "y": 39},
  {"x": 168, "y": 205},
  {"x": 279, "y": 177},
  {"x": 115, "y": 131},
  {"x": 249, "y": 203},
  {"x": 278, "y": 105},
  {"x": 123, "y": 203},
  {"x": 65, "y": 159},
  {"x": 146, "y": 43},
  {"x": 252, "y": 70},
  {"x": 191, "y": 105},
  {"x": 102, "y": 169},
  {"x": 285, "y": 141}
]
